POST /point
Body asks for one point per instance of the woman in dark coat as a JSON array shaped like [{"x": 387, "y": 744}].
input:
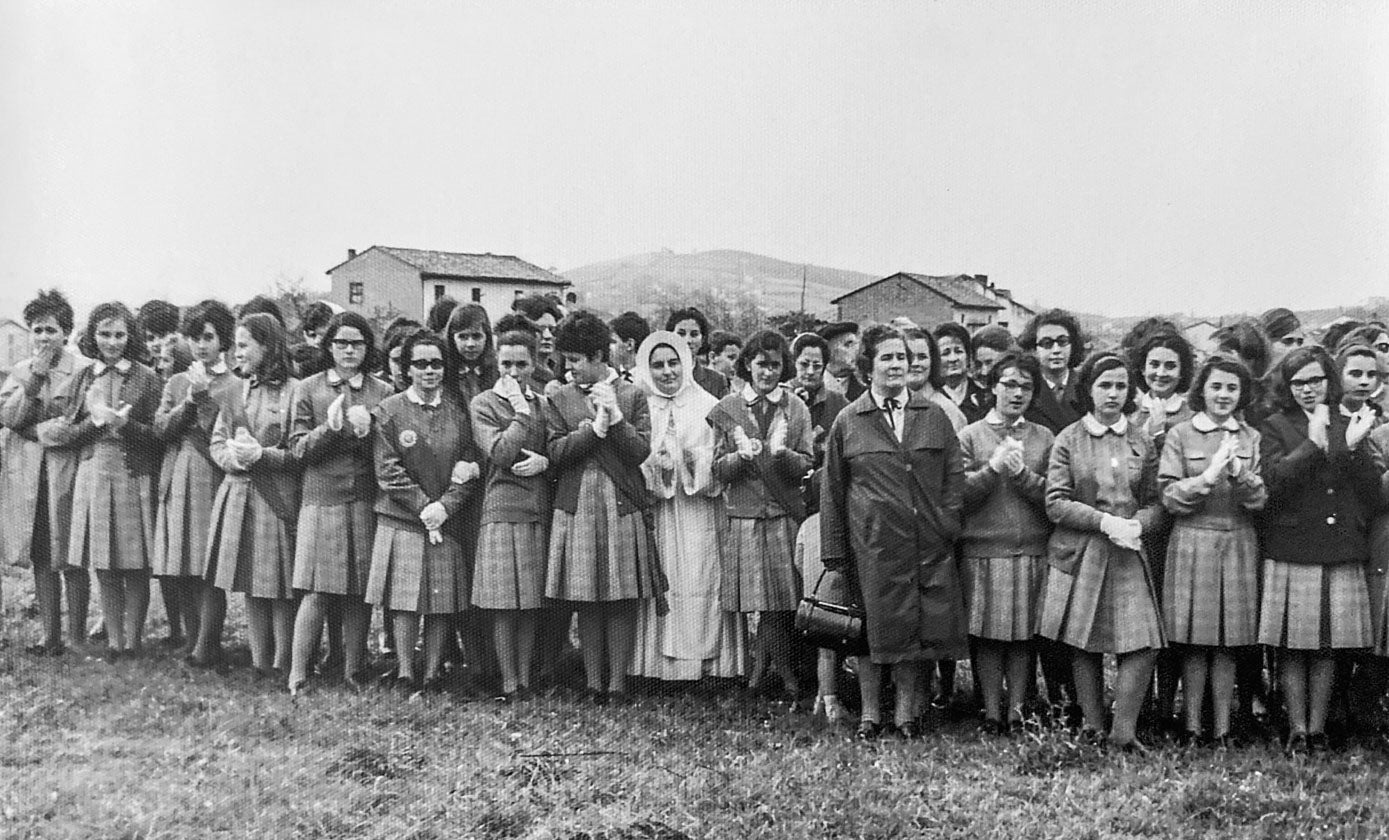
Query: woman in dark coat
[{"x": 890, "y": 511}]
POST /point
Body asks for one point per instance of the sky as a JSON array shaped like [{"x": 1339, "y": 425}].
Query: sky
[{"x": 1119, "y": 158}]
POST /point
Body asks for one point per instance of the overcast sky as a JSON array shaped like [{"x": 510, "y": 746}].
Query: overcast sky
[{"x": 1111, "y": 157}]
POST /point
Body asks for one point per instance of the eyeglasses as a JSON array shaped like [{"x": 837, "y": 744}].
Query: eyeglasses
[
  {"x": 1059, "y": 341},
  {"x": 1294, "y": 341},
  {"x": 427, "y": 364},
  {"x": 348, "y": 344},
  {"x": 1309, "y": 382}
]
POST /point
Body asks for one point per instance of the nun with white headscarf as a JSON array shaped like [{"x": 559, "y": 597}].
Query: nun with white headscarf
[{"x": 696, "y": 638}]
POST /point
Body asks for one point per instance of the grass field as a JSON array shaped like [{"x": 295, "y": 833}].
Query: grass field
[{"x": 149, "y": 749}]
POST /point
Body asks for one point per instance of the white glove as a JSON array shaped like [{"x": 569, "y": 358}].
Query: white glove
[
  {"x": 1360, "y": 425},
  {"x": 604, "y": 395},
  {"x": 776, "y": 439},
  {"x": 1317, "y": 426},
  {"x": 533, "y": 464},
  {"x": 336, "y": 418},
  {"x": 198, "y": 379},
  {"x": 601, "y": 421},
  {"x": 1125, "y": 533},
  {"x": 120, "y": 416},
  {"x": 748, "y": 448},
  {"x": 245, "y": 448},
  {"x": 360, "y": 420},
  {"x": 1014, "y": 462},
  {"x": 464, "y": 472},
  {"x": 998, "y": 461},
  {"x": 99, "y": 411},
  {"x": 433, "y": 516}
]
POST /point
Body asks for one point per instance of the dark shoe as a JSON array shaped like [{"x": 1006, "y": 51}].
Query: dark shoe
[
  {"x": 172, "y": 641},
  {"x": 1318, "y": 742},
  {"x": 298, "y": 688},
  {"x": 1132, "y": 746},
  {"x": 523, "y": 694},
  {"x": 46, "y": 649},
  {"x": 1224, "y": 742},
  {"x": 112, "y": 655},
  {"x": 869, "y": 730},
  {"x": 1297, "y": 744},
  {"x": 1187, "y": 738},
  {"x": 1093, "y": 737},
  {"x": 265, "y": 675},
  {"x": 596, "y": 696},
  {"x": 212, "y": 660},
  {"x": 909, "y": 731},
  {"x": 994, "y": 727}
]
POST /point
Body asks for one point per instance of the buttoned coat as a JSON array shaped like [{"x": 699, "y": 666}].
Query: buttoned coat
[{"x": 573, "y": 443}]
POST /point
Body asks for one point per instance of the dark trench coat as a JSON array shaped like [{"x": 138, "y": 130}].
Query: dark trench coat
[{"x": 890, "y": 514}]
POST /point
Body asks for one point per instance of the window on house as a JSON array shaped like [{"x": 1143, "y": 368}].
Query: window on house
[
  {"x": 438, "y": 290},
  {"x": 520, "y": 293},
  {"x": 355, "y": 293},
  {"x": 477, "y": 294}
]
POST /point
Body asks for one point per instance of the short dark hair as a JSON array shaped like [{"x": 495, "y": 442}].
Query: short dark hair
[
  {"x": 134, "y": 344},
  {"x": 473, "y": 316},
  {"x": 1363, "y": 334},
  {"x": 872, "y": 338},
  {"x": 1186, "y": 359},
  {"x": 536, "y": 307},
  {"x": 993, "y": 336},
  {"x": 1057, "y": 318},
  {"x": 583, "y": 333},
  {"x": 519, "y": 338},
  {"x": 1092, "y": 369},
  {"x": 1146, "y": 328},
  {"x": 1196, "y": 398},
  {"x": 762, "y": 341},
  {"x": 438, "y": 317},
  {"x": 182, "y": 352},
  {"x": 260, "y": 304},
  {"x": 720, "y": 339},
  {"x": 212, "y": 313},
  {"x": 158, "y": 316},
  {"x": 1247, "y": 340},
  {"x": 629, "y": 326},
  {"x": 269, "y": 333},
  {"x": 315, "y": 316},
  {"x": 1299, "y": 358},
  {"x": 807, "y": 341},
  {"x": 1021, "y": 362},
  {"x": 514, "y": 322},
  {"x": 1279, "y": 321},
  {"x": 1337, "y": 331},
  {"x": 950, "y": 329},
  {"x": 911, "y": 334},
  {"x": 371, "y": 359},
  {"x": 420, "y": 338},
  {"x": 692, "y": 313},
  {"x": 50, "y": 303}
]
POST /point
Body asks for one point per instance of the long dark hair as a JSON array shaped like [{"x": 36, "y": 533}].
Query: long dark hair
[
  {"x": 371, "y": 359},
  {"x": 1095, "y": 367},
  {"x": 473, "y": 316},
  {"x": 432, "y": 339},
  {"x": 269, "y": 333},
  {"x": 134, "y": 344},
  {"x": 1282, "y": 395}
]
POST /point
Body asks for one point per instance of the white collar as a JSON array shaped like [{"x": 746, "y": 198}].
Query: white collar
[
  {"x": 1360, "y": 412},
  {"x": 355, "y": 383},
  {"x": 1202, "y": 422},
  {"x": 1171, "y": 405},
  {"x": 1065, "y": 380},
  {"x": 880, "y": 400},
  {"x": 751, "y": 396},
  {"x": 958, "y": 393},
  {"x": 218, "y": 368},
  {"x": 122, "y": 366},
  {"x": 414, "y": 396},
  {"x": 1094, "y": 427},
  {"x": 993, "y": 418}
]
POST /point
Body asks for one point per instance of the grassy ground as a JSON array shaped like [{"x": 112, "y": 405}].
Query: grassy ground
[{"x": 149, "y": 749}]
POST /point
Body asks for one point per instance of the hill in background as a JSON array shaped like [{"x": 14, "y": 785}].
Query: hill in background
[{"x": 647, "y": 282}]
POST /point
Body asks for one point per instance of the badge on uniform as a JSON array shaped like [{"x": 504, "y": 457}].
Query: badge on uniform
[{"x": 408, "y": 438}]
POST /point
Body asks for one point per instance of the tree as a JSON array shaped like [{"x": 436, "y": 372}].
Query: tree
[
  {"x": 792, "y": 324},
  {"x": 738, "y": 312}
]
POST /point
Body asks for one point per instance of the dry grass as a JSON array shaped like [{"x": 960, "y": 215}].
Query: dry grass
[{"x": 148, "y": 749}]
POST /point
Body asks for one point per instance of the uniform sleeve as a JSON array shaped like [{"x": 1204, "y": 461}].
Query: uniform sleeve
[
  {"x": 500, "y": 439},
  {"x": 391, "y": 475},
  {"x": 20, "y": 406},
  {"x": 953, "y": 488},
  {"x": 1150, "y": 514},
  {"x": 567, "y": 447},
  {"x": 310, "y": 440},
  {"x": 632, "y": 436},
  {"x": 1248, "y": 489},
  {"x": 1062, "y": 507},
  {"x": 1182, "y": 494},
  {"x": 1379, "y": 455},
  {"x": 457, "y": 495},
  {"x": 138, "y": 429},
  {"x": 980, "y": 479},
  {"x": 74, "y": 429},
  {"x": 1032, "y": 484},
  {"x": 729, "y": 466},
  {"x": 796, "y": 459},
  {"x": 175, "y": 414},
  {"x": 1286, "y": 469},
  {"x": 217, "y": 446}
]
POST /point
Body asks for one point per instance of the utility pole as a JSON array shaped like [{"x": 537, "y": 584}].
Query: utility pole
[{"x": 803, "y": 281}]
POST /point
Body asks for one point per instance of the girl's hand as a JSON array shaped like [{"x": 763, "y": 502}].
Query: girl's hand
[
  {"x": 433, "y": 516},
  {"x": 198, "y": 380},
  {"x": 360, "y": 420},
  {"x": 464, "y": 472},
  {"x": 1360, "y": 425},
  {"x": 120, "y": 416},
  {"x": 533, "y": 464},
  {"x": 776, "y": 440},
  {"x": 1317, "y": 426},
  {"x": 336, "y": 415}
]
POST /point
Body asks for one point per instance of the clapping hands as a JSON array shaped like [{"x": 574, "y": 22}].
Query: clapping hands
[
  {"x": 747, "y": 447},
  {"x": 1007, "y": 457},
  {"x": 1317, "y": 426},
  {"x": 1361, "y": 423},
  {"x": 245, "y": 448},
  {"x": 359, "y": 418}
]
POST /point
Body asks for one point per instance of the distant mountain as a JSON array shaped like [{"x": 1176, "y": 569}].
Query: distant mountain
[{"x": 644, "y": 281}]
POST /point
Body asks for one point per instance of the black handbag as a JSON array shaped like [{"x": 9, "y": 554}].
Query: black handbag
[{"x": 836, "y": 627}]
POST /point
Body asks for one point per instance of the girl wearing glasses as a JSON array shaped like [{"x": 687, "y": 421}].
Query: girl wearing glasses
[
  {"x": 1322, "y": 486},
  {"x": 330, "y": 434},
  {"x": 426, "y": 469},
  {"x": 1054, "y": 337}
]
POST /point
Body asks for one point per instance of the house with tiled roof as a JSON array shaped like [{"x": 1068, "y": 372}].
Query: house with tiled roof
[
  {"x": 928, "y": 300},
  {"x": 14, "y": 345},
  {"x": 384, "y": 281}
]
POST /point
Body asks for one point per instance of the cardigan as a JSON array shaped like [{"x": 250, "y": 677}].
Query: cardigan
[
  {"x": 416, "y": 447},
  {"x": 501, "y": 434},
  {"x": 337, "y": 463},
  {"x": 1004, "y": 515},
  {"x": 1223, "y": 506},
  {"x": 140, "y": 388},
  {"x": 573, "y": 444},
  {"x": 767, "y": 486}
]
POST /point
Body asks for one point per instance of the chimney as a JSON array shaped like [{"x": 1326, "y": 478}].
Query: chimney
[{"x": 352, "y": 253}]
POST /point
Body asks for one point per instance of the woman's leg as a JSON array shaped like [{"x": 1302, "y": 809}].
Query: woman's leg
[
  {"x": 620, "y": 626},
  {"x": 989, "y": 655},
  {"x": 48, "y": 588},
  {"x": 1087, "y": 670},
  {"x": 173, "y": 609},
  {"x": 356, "y": 626},
  {"x": 776, "y": 625},
  {"x": 213, "y": 616},
  {"x": 945, "y": 682},
  {"x": 504, "y": 632},
  {"x": 526, "y": 622},
  {"x": 78, "y": 586},
  {"x": 189, "y": 592},
  {"x": 1294, "y": 667},
  {"x": 113, "y": 608},
  {"x": 870, "y": 689},
  {"x": 282, "y": 625},
  {"x": 907, "y": 676},
  {"x": 308, "y": 627},
  {"x": 591, "y": 645},
  {"x": 137, "y": 605},
  {"x": 1194, "y": 664},
  {"x": 1321, "y": 672},
  {"x": 1130, "y": 686},
  {"x": 1018, "y": 657},
  {"x": 1222, "y": 689},
  {"x": 436, "y": 632},
  {"x": 406, "y": 627},
  {"x": 259, "y": 620}
]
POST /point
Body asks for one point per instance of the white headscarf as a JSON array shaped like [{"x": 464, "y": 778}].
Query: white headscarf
[{"x": 679, "y": 430}]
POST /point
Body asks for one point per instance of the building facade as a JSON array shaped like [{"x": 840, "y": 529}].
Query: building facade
[
  {"x": 927, "y": 300},
  {"x": 382, "y": 282}
]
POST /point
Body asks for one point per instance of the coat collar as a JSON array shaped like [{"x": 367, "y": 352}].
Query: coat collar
[
  {"x": 993, "y": 418},
  {"x": 750, "y": 395},
  {"x": 1202, "y": 422},
  {"x": 355, "y": 383},
  {"x": 1094, "y": 427},
  {"x": 414, "y": 396}
]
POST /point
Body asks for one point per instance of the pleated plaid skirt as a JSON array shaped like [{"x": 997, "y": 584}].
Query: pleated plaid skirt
[
  {"x": 1001, "y": 596},
  {"x": 509, "y": 570},
  {"x": 1107, "y": 606},
  {"x": 185, "y": 515},
  {"x": 333, "y": 548},
  {"x": 759, "y": 572},
  {"x": 112, "y": 513},
  {"x": 250, "y": 550},
  {"x": 595, "y": 553},
  {"x": 409, "y": 574},
  {"x": 1315, "y": 607},
  {"x": 1211, "y": 592}
]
